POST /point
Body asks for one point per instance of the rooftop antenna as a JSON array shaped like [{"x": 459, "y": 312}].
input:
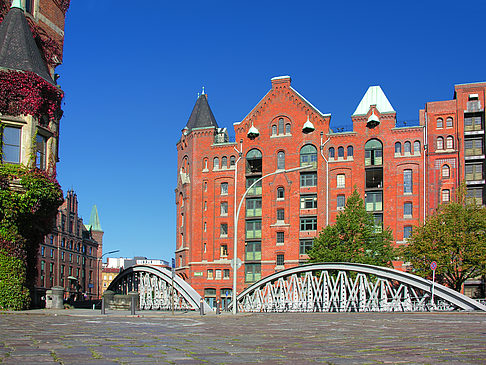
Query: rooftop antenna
[{"x": 203, "y": 91}]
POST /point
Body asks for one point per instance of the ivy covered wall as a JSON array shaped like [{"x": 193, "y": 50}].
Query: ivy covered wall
[{"x": 29, "y": 199}]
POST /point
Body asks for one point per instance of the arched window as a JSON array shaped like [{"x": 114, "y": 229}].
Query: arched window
[
  {"x": 205, "y": 162},
  {"x": 281, "y": 126},
  {"x": 407, "y": 147},
  {"x": 308, "y": 155},
  {"x": 449, "y": 122},
  {"x": 281, "y": 160},
  {"x": 287, "y": 128},
  {"x": 350, "y": 151},
  {"x": 232, "y": 160},
  {"x": 331, "y": 152},
  {"x": 280, "y": 192},
  {"x": 416, "y": 147},
  {"x": 224, "y": 162},
  {"x": 254, "y": 162},
  {"x": 216, "y": 163},
  {"x": 274, "y": 130},
  {"x": 440, "y": 143},
  {"x": 373, "y": 153},
  {"x": 449, "y": 142},
  {"x": 398, "y": 148},
  {"x": 341, "y": 151},
  {"x": 440, "y": 123},
  {"x": 446, "y": 171}
]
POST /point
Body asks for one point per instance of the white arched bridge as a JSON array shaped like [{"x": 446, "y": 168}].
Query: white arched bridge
[{"x": 325, "y": 287}]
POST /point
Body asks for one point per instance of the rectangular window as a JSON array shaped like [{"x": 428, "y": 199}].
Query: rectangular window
[
  {"x": 474, "y": 172},
  {"x": 226, "y": 274},
  {"x": 41, "y": 143},
  {"x": 340, "y": 202},
  {"x": 254, "y": 207},
  {"x": 374, "y": 178},
  {"x": 254, "y": 229},
  {"x": 224, "y": 250},
  {"x": 42, "y": 251},
  {"x": 10, "y": 146},
  {"x": 407, "y": 210},
  {"x": 210, "y": 274},
  {"x": 253, "y": 251},
  {"x": 378, "y": 218},
  {"x": 223, "y": 230},
  {"x": 475, "y": 195},
  {"x": 280, "y": 238},
  {"x": 224, "y": 188},
  {"x": 305, "y": 246},
  {"x": 308, "y": 223},
  {"x": 280, "y": 215},
  {"x": 52, "y": 253},
  {"x": 407, "y": 232},
  {"x": 255, "y": 190},
  {"x": 407, "y": 182},
  {"x": 253, "y": 272},
  {"x": 218, "y": 274},
  {"x": 472, "y": 124},
  {"x": 308, "y": 179},
  {"x": 341, "y": 181},
  {"x": 280, "y": 259},
  {"x": 308, "y": 201},
  {"x": 374, "y": 201},
  {"x": 473, "y": 147},
  {"x": 224, "y": 208}
]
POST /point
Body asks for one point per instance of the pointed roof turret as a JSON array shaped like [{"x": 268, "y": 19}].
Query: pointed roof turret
[
  {"x": 18, "y": 50},
  {"x": 94, "y": 220},
  {"x": 201, "y": 116},
  {"x": 374, "y": 96}
]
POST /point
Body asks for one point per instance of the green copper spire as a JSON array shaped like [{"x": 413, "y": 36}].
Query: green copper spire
[
  {"x": 17, "y": 4},
  {"x": 94, "y": 220}
]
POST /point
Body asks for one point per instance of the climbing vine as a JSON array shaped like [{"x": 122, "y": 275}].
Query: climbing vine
[
  {"x": 29, "y": 199},
  {"x": 24, "y": 92}
]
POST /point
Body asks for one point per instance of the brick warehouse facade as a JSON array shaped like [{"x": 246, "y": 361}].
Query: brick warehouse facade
[
  {"x": 404, "y": 172},
  {"x": 70, "y": 256}
]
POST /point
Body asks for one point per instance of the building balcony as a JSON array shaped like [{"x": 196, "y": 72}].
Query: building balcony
[
  {"x": 475, "y": 182},
  {"x": 474, "y": 157},
  {"x": 474, "y": 133}
]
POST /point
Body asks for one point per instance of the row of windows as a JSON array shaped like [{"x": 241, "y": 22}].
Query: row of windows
[
  {"x": 407, "y": 148},
  {"x": 449, "y": 122},
  {"x": 281, "y": 128},
  {"x": 218, "y": 274},
  {"x": 224, "y": 162},
  {"x": 340, "y": 151},
  {"x": 10, "y": 146},
  {"x": 449, "y": 143}
]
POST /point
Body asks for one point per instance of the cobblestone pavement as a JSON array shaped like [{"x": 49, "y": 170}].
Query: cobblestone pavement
[{"x": 86, "y": 337}]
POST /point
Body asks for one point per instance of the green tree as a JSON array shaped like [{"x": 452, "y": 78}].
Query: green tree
[
  {"x": 354, "y": 238},
  {"x": 455, "y": 237}
]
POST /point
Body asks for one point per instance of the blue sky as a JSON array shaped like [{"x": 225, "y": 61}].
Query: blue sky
[{"x": 132, "y": 72}]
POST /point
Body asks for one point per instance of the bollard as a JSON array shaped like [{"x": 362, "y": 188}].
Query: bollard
[
  {"x": 132, "y": 307},
  {"x": 218, "y": 310},
  {"x": 103, "y": 305},
  {"x": 201, "y": 307}
]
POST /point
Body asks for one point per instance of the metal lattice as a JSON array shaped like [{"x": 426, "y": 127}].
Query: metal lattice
[
  {"x": 157, "y": 289},
  {"x": 349, "y": 288}
]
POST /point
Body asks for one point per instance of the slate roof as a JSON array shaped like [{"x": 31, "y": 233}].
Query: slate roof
[
  {"x": 201, "y": 116},
  {"x": 18, "y": 50}
]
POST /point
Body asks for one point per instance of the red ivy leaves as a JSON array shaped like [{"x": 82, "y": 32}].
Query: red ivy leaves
[{"x": 29, "y": 94}]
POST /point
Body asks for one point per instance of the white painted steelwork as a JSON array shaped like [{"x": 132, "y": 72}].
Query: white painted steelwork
[
  {"x": 154, "y": 284},
  {"x": 347, "y": 287}
]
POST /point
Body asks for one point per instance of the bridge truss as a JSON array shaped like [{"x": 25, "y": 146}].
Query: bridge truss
[
  {"x": 158, "y": 289},
  {"x": 346, "y": 287}
]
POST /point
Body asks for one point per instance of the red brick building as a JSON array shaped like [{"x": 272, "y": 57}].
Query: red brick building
[
  {"x": 70, "y": 256},
  {"x": 403, "y": 174}
]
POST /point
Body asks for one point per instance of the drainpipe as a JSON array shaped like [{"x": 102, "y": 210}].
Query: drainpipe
[
  {"x": 327, "y": 177},
  {"x": 426, "y": 151}
]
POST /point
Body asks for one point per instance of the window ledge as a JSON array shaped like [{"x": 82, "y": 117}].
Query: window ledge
[{"x": 280, "y": 224}]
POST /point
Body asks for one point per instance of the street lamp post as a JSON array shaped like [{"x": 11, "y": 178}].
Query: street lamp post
[
  {"x": 98, "y": 268},
  {"x": 237, "y": 214}
]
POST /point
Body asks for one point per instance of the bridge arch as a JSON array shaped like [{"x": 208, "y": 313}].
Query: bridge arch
[
  {"x": 349, "y": 287},
  {"x": 154, "y": 285}
]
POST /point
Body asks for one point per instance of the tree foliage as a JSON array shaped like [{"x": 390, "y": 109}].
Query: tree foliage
[
  {"x": 354, "y": 238},
  {"x": 455, "y": 237}
]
